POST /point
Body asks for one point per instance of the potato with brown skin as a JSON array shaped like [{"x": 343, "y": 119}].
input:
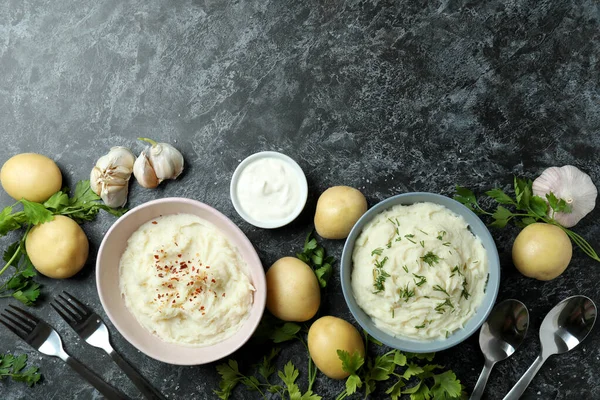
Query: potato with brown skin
[
  {"x": 31, "y": 176},
  {"x": 58, "y": 248},
  {"x": 338, "y": 209},
  {"x": 293, "y": 292},
  {"x": 326, "y": 336}
]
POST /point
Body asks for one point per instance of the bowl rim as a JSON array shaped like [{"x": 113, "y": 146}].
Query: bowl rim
[
  {"x": 259, "y": 297},
  {"x": 274, "y": 223},
  {"x": 360, "y": 315}
]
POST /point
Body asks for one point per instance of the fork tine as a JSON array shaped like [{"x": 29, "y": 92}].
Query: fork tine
[
  {"x": 25, "y": 313},
  {"x": 71, "y": 308},
  {"x": 72, "y": 317},
  {"x": 18, "y": 324},
  {"x": 22, "y": 320},
  {"x": 13, "y": 329},
  {"x": 79, "y": 303}
]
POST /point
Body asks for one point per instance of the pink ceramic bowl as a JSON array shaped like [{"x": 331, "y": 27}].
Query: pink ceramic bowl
[{"x": 107, "y": 280}]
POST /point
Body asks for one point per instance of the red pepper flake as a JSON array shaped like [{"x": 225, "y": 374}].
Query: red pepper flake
[
  {"x": 170, "y": 286},
  {"x": 154, "y": 222},
  {"x": 207, "y": 267},
  {"x": 183, "y": 266},
  {"x": 201, "y": 308},
  {"x": 179, "y": 255},
  {"x": 173, "y": 301},
  {"x": 203, "y": 313},
  {"x": 160, "y": 275},
  {"x": 175, "y": 279},
  {"x": 193, "y": 268},
  {"x": 156, "y": 256},
  {"x": 223, "y": 295},
  {"x": 213, "y": 281}
]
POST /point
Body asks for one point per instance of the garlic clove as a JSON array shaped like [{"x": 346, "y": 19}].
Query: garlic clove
[
  {"x": 115, "y": 195},
  {"x": 572, "y": 185},
  {"x": 144, "y": 172},
  {"x": 110, "y": 176},
  {"x": 166, "y": 160},
  {"x": 95, "y": 180},
  {"x": 157, "y": 162}
]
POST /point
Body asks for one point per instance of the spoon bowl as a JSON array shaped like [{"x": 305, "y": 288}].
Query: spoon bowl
[
  {"x": 565, "y": 326},
  {"x": 500, "y": 336}
]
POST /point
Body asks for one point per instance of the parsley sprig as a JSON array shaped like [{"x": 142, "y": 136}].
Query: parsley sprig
[
  {"x": 316, "y": 257},
  {"x": 418, "y": 381},
  {"x": 83, "y": 205},
  {"x": 13, "y": 367},
  {"x": 528, "y": 207}
]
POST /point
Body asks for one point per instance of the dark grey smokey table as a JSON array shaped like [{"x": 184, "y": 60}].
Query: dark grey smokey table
[{"x": 385, "y": 96}]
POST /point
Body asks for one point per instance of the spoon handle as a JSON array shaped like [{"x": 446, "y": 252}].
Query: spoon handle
[
  {"x": 519, "y": 388},
  {"x": 482, "y": 381}
]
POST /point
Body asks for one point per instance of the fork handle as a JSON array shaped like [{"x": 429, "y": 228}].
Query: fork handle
[
  {"x": 107, "y": 390},
  {"x": 138, "y": 380}
]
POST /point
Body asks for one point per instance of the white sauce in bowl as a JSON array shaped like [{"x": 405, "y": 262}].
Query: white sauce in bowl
[{"x": 268, "y": 189}]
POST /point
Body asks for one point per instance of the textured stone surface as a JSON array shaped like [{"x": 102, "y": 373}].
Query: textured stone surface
[{"x": 385, "y": 96}]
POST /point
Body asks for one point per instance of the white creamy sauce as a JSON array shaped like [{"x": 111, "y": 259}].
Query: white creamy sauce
[
  {"x": 268, "y": 189},
  {"x": 418, "y": 271},
  {"x": 184, "y": 281}
]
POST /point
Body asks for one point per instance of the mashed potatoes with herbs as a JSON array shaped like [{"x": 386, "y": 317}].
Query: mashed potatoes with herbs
[
  {"x": 418, "y": 271},
  {"x": 184, "y": 281}
]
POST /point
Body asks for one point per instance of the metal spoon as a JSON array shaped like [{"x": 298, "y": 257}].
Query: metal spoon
[
  {"x": 499, "y": 337},
  {"x": 565, "y": 326}
]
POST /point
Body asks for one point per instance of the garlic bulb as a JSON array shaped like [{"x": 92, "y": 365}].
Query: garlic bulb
[
  {"x": 109, "y": 179},
  {"x": 572, "y": 185},
  {"x": 157, "y": 162}
]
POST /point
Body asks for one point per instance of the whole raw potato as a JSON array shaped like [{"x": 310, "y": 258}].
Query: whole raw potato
[
  {"x": 293, "y": 292},
  {"x": 31, "y": 176},
  {"x": 338, "y": 209},
  {"x": 326, "y": 336},
  {"x": 57, "y": 249},
  {"x": 542, "y": 251}
]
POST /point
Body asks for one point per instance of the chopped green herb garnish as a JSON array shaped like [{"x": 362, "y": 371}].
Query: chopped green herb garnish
[
  {"x": 423, "y": 231},
  {"x": 422, "y": 243},
  {"x": 409, "y": 236},
  {"x": 440, "y": 308},
  {"x": 405, "y": 268},
  {"x": 446, "y": 244},
  {"x": 421, "y": 281},
  {"x": 399, "y": 238},
  {"x": 447, "y": 334},
  {"x": 441, "y": 235},
  {"x": 421, "y": 326},
  {"x": 464, "y": 292},
  {"x": 406, "y": 293},
  {"x": 393, "y": 313},
  {"x": 380, "y": 276},
  {"x": 486, "y": 283},
  {"x": 430, "y": 258},
  {"x": 438, "y": 288},
  {"x": 394, "y": 221},
  {"x": 377, "y": 251},
  {"x": 455, "y": 271},
  {"x": 389, "y": 244}
]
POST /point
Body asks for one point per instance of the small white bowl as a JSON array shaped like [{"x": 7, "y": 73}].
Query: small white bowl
[{"x": 274, "y": 223}]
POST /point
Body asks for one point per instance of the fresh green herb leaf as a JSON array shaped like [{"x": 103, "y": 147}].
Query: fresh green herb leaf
[
  {"x": 430, "y": 258},
  {"x": 421, "y": 278},
  {"x": 500, "y": 196},
  {"x": 438, "y": 288},
  {"x": 14, "y": 368},
  {"x": 285, "y": 332},
  {"x": 36, "y": 213},
  {"x": 377, "y": 251},
  {"x": 405, "y": 294},
  {"x": 446, "y": 386},
  {"x": 351, "y": 363},
  {"x": 501, "y": 217},
  {"x": 467, "y": 198},
  {"x": 316, "y": 257},
  {"x": 538, "y": 206},
  {"x": 441, "y": 307}
]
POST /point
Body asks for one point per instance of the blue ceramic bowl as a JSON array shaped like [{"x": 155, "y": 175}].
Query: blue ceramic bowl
[{"x": 476, "y": 226}]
